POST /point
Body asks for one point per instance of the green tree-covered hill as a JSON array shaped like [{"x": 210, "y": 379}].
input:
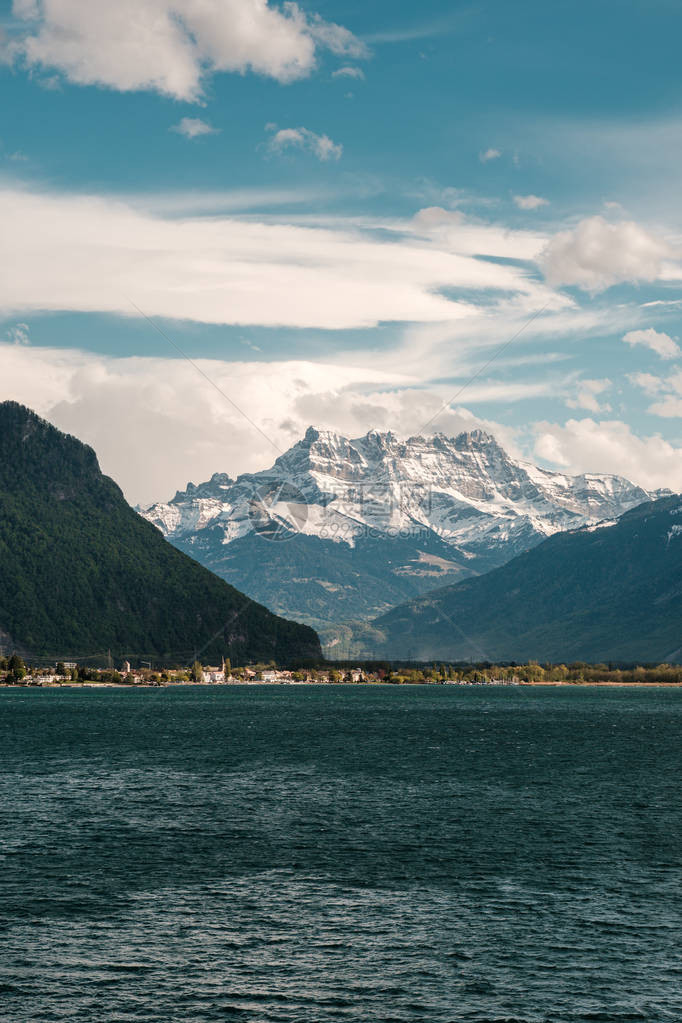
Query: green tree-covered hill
[
  {"x": 82, "y": 573},
  {"x": 597, "y": 594}
]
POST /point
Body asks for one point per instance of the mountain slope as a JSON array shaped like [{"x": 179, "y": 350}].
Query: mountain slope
[
  {"x": 372, "y": 522},
  {"x": 81, "y": 572},
  {"x": 610, "y": 592}
]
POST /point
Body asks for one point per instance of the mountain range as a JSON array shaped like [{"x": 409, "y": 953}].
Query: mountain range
[
  {"x": 340, "y": 529},
  {"x": 547, "y": 566},
  {"x": 611, "y": 591},
  {"x": 81, "y": 573}
]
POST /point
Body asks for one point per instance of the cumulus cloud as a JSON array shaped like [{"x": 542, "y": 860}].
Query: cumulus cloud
[
  {"x": 587, "y": 396},
  {"x": 657, "y": 341},
  {"x": 171, "y": 46},
  {"x": 530, "y": 202},
  {"x": 320, "y": 146},
  {"x": 597, "y": 254},
  {"x": 586, "y": 445},
  {"x": 96, "y": 254},
  {"x": 348, "y": 72},
  {"x": 667, "y": 390},
  {"x": 193, "y": 127},
  {"x": 489, "y": 154}
]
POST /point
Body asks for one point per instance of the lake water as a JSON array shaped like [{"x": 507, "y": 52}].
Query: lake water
[{"x": 340, "y": 853}]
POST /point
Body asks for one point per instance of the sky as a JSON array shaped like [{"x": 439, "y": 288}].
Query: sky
[{"x": 226, "y": 220}]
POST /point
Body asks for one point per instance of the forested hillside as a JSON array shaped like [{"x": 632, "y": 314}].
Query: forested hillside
[{"x": 82, "y": 573}]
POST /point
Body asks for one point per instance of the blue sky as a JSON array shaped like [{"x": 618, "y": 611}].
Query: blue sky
[{"x": 341, "y": 212}]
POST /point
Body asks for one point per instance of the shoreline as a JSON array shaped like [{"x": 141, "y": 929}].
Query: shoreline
[{"x": 352, "y": 685}]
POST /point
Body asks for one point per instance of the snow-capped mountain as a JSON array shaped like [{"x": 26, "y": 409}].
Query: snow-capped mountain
[{"x": 340, "y": 529}]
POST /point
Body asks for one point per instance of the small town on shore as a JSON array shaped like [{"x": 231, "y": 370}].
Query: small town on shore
[{"x": 14, "y": 671}]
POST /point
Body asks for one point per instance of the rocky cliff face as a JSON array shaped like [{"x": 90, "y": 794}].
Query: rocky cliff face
[{"x": 341, "y": 528}]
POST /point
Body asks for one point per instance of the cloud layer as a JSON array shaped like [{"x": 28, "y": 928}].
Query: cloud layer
[
  {"x": 155, "y": 423},
  {"x": 586, "y": 445},
  {"x": 97, "y": 254},
  {"x": 171, "y": 46}
]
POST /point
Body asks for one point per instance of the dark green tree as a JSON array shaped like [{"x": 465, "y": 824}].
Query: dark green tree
[{"x": 17, "y": 668}]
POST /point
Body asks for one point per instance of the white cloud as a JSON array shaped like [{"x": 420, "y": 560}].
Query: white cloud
[
  {"x": 668, "y": 391},
  {"x": 157, "y": 423},
  {"x": 610, "y": 446},
  {"x": 489, "y": 154},
  {"x": 96, "y": 254},
  {"x": 329, "y": 35},
  {"x": 668, "y": 408},
  {"x": 19, "y": 334},
  {"x": 193, "y": 127},
  {"x": 587, "y": 396},
  {"x": 657, "y": 341},
  {"x": 348, "y": 72},
  {"x": 539, "y": 317},
  {"x": 452, "y": 229},
  {"x": 320, "y": 146},
  {"x": 171, "y": 46},
  {"x": 597, "y": 254},
  {"x": 237, "y": 200},
  {"x": 530, "y": 202},
  {"x": 647, "y": 382}
]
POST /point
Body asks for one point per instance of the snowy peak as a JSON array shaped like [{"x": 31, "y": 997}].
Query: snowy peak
[
  {"x": 466, "y": 490},
  {"x": 216, "y": 487},
  {"x": 379, "y": 455},
  {"x": 373, "y": 521},
  {"x": 473, "y": 439}
]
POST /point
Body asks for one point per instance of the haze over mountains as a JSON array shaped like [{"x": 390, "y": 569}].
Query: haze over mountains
[
  {"x": 606, "y": 592},
  {"x": 341, "y": 529},
  {"x": 81, "y": 573}
]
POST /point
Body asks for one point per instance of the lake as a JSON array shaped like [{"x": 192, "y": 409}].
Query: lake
[{"x": 323, "y": 853}]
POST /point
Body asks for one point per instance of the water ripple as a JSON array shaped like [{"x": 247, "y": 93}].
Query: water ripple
[{"x": 317, "y": 854}]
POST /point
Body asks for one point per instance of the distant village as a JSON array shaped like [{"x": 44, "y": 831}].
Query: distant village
[{"x": 15, "y": 672}]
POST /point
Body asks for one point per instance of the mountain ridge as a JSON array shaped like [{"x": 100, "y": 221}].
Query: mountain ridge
[
  {"x": 609, "y": 591},
  {"x": 372, "y": 521}
]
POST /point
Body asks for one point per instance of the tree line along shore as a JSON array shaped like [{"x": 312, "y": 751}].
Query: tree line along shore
[{"x": 15, "y": 672}]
